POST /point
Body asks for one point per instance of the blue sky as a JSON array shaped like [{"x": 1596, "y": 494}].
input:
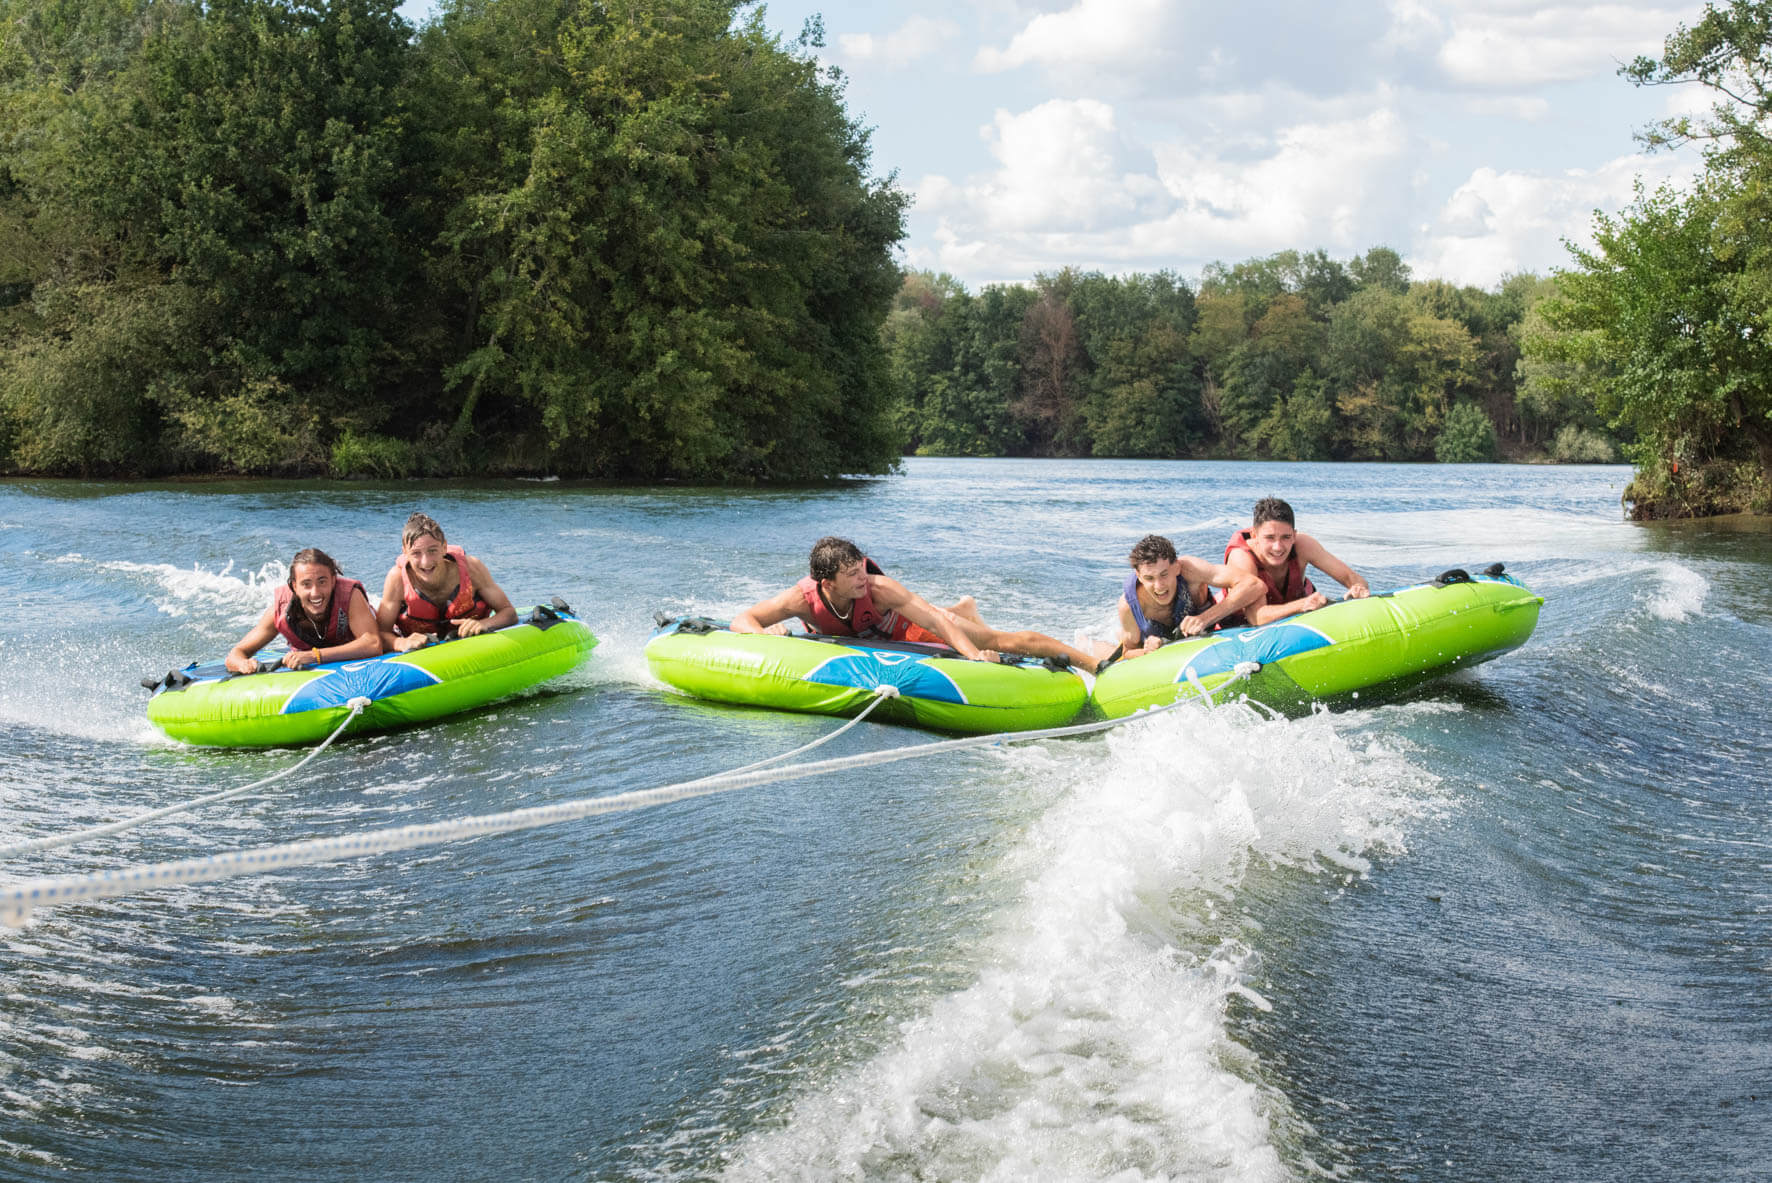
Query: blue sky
[{"x": 1141, "y": 135}]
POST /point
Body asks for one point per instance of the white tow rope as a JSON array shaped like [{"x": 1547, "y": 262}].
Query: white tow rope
[
  {"x": 17, "y": 900},
  {"x": 57, "y": 841}
]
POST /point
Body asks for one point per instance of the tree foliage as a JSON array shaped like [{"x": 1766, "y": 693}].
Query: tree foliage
[
  {"x": 1668, "y": 299},
  {"x": 1668, "y": 317},
  {"x": 1293, "y": 357},
  {"x": 624, "y": 238}
]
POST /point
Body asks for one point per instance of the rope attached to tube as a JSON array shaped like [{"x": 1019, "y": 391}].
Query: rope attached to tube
[
  {"x": 57, "y": 841},
  {"x": 18, "y": 900}
]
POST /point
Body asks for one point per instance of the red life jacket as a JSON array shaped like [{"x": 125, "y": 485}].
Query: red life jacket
[
  {"x": 421, "y": 614},
  {"x": 299, "y": 631},
  {"x": 865, "y": 618},
  {"x": 1296, "y": 587}
]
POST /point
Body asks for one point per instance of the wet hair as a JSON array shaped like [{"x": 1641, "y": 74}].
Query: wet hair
[
  {"x": 313, "y": 556},
  {"x": 831, "y": 554},
  {"x": 1152, "y": 548},
  {"x": 417, "y": 526},
  {"x": 1272, "y": 509}
]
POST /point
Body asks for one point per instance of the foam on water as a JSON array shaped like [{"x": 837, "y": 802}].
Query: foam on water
[
  {"x": 1439, "y": 538},
  {"x": 1092, "y": 1041},
  {"x": 183, "y": 591},
  {"x": 1679, "y": 594}
]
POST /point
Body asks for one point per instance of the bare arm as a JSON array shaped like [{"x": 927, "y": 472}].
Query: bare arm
[
  {"x": 764, "y": 615},
  {"x": 1131, "y": 644},
  {"x": 1129, "y": 636},
  {"x": 1269, "y": 613},
  {"x": 1242, "y": 588},
  {"x": 892, "y": 596},
  {"x": 485, "y": 587},
  {"x": 365, "y": 635},
  {"x": 240, "y": 658},
  {"x": 1311, "y": 551},
  {"x": 388, "y": 611}
]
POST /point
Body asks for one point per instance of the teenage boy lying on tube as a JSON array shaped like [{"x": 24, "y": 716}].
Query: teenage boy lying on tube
[
  {"x": 846, "y": 595},
  {"x": 1168, "y": 597}
]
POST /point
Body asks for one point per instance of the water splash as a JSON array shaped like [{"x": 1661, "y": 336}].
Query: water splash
[
  {"x": 183, "y": 590},
  {"x": 1680, "y": 593},
  {"x": 1092, "y": 1041}
]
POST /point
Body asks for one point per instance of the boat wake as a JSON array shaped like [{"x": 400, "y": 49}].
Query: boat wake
[{"x": 1093, "y": 1039}]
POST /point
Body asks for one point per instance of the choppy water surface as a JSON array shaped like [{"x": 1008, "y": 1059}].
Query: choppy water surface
[{"x": 1514, "y": 924}]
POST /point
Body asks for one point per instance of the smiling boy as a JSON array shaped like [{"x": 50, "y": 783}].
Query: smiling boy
[
  {"x": 1273, "y": 550},
  {"x": 847, "y": 595},
  {"x": 1168, "y": 596},
  {"x": 434, "y": 589}
]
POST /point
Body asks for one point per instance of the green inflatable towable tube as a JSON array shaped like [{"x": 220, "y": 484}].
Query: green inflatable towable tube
[
  {"x": 936, "y": 688},
  {"x": 1391, "y": 639},
  {"x": 205, "y": 704}
]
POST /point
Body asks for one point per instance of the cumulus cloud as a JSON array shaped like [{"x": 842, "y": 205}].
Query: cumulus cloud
[
  {"x": 1321, "y": 184},
  {"x": 1502, "y": 221},
  {"x": 1090, "y": 33},
  {"x": 1058, "y": 165},
  {"x": 1064, "y": 194},
  {"x": 1470, "y": 134},
  {"x": 1525, "y": 108},
  {"x": 1503, "y": 47},
  {"x": 918, "y": 37}
]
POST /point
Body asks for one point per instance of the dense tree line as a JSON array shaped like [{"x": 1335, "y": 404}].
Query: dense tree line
[
  {"x": 1668, "y": 319},
  {"x": 626, "y": 238},
  {"x": 1294, "y": 356}
]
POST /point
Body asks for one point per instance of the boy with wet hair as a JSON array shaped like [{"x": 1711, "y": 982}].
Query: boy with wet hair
[
  {"x": 845, "y": 594},
  {"x": 434, "y": 589},
  {"x": 1168, "y": 596},
  {"x": 1274, "y": 551}
]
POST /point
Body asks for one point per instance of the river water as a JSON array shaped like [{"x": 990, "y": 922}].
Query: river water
[{"x": 1512, "y": 924}]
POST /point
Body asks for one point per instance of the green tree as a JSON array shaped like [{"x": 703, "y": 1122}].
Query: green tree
[
  {"x": 223, "y": 176},
  {"x": 1282, "y": 346},
  {"x": 682, "y": 268},
  {"x": 1396, "y": 368},
  {"x": 1142, "y": 391},
  {"x": 1468, "y": 436},
  {"x": 955, "y": 357},
  {"x": 1301, "y": 424},
  {"x": 1559, "y": 374},
  {"x": 1670, "y": 295},
  {"x": 1689, "y": 280},
  {"x": 1053, "y": 364},
  {"x": 1381, "y": 267}
]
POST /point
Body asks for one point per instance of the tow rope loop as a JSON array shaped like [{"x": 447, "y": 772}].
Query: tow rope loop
[
  {"x": 882, "y": 692},
  {"x": 56, "y": 841},
  {"x": 18, "y": 899}
]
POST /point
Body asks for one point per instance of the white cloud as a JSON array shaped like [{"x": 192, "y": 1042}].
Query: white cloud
[
  {"x": 1321, "y": 185},
  {"x": 1057, "y": 168},
  {"x": 1689, "y": 99},
  {"x": 1513, "y": 47},
  {"x": 918, "y": 37},
  {"x": 1502, "y": 221},
  {"x": 1061, "y": 195},
  {"x": 1090, "y": 33},
  {"x": 1135, "y": 135}
]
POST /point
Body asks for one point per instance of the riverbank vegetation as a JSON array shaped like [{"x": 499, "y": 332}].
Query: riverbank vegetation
[
  {"x": 639, "y": 240},
  {"x": 631, "y": 239},
  {"x": 1291, "y": 357},
  {"x": 1668, "y": 319}
]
